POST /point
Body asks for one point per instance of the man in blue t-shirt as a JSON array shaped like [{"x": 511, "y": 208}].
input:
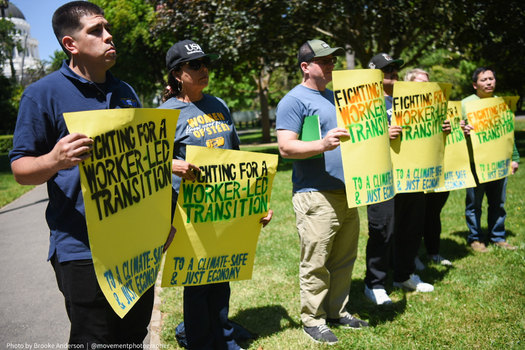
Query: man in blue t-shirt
[
  {"x": 327, "y": 228},
  {"x": 45, "y": 152}
]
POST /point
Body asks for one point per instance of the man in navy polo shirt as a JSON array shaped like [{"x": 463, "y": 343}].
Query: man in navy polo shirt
[{"x": 44, "y": 151}]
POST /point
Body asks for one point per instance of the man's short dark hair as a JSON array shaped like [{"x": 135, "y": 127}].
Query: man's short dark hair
[
  {"x": 481, "y": 70},
  {"x": 66, "y": 19}
]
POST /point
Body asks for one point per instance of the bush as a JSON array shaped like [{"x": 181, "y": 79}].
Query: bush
[{"x": 6, "y": 143}]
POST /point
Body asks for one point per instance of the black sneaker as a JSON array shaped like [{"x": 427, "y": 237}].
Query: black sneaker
[
  {"x": 321, "y": 334},
  {"x": 348, "y": 321}
]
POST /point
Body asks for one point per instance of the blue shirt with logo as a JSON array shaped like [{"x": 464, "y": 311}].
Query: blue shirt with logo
[{"x": 205, "y": 123}]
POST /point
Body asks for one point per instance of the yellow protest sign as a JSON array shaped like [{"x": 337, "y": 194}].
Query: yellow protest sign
[
  {"x": 418, "y": 154},
  {"x": 492, "y": 138},
  {"x": 360, "y": 106},
  {"x": 217, "y": 217},
  {"x": 126, "y": 185},
  {"x": 512, "y": 102},
  {"x": 457, "y": 165}
]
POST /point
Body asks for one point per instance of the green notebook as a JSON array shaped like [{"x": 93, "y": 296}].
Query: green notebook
[{"x": 311, "y": 131}]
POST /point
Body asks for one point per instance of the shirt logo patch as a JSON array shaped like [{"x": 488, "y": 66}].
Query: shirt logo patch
[{"x": 130, "y": 103}]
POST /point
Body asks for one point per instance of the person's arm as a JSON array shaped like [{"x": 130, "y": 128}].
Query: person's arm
[
  {"x": 467, "y": 129},
  {"x": 291, "y": 147},
  {"x": 171, "y": 235},
  {"x": 446, "y": 127},
  {"x": 394, "y": 131},
  {"x": 183, "y": 169},
  {"x": 266, "y": 220},
  {"x": 68, "y": 152}
]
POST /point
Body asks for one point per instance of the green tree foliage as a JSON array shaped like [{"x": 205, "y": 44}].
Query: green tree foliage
[
  {"x": 8, "y": 87},
  {"x": 8, "y": 43},
  {"x": 7, "y": 109},
  {"x": 390, "y": 26},
  {"x": 254, "y": 38},
  {"x": 56, "y": 60},
  {"x": 445, "y": 66},
  {"x": 493, "y": 35},
  {"x": 141, "y": 52},
  {"x": 258, "y": 38}
]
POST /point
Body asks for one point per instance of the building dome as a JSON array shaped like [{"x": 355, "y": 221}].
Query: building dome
[
  {"x": 26, "y": 59},
  {"x": 13, "y": 12}
]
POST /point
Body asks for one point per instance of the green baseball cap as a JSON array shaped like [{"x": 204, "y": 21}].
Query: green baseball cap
[{"x": 317, "y": 48}]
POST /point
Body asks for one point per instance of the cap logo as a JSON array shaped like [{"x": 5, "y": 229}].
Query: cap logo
[
  {"x": 371, "y": 65},
  {"x": 193, "y": 48},
  {"x": 387, "y": 57},
  {"x": 325, "y": 45}
]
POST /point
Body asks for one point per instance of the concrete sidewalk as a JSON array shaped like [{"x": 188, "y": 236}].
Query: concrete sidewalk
[{"x": 32, "y": 308}]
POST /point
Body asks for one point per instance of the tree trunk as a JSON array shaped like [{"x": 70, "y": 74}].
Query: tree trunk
[
  {"x": 350, "y": 57},
  {"x": 264, "y": 79}
]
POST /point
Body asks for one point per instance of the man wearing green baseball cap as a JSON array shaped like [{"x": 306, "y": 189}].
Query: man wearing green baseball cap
[{"x": 328, "y": 229}]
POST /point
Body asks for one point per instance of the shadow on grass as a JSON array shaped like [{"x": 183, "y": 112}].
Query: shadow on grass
[
  {"x": 265, "y": 321},
  {"x": 374, "y": 314},
  {"x": 453, "y": 250},
  {"x": 377, "y": 315},
  {"x": 464, "y": 234}
]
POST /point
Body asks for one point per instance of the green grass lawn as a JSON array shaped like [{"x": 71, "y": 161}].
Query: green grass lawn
[
  {"x": 10, "y": 189},
  {"x": 479, "y": 303}
]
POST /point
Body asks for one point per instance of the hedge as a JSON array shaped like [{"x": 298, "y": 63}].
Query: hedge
[{"x": 6, "y": 143}]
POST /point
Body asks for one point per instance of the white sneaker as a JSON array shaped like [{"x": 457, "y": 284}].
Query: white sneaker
[
  {"x": 377, "y": 296},
  {"x": 419, "y": 264},
  {"x": 438, "y": 259},
  {"x": 415, "y": 283}
]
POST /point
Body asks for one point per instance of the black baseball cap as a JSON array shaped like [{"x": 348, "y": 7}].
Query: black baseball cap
[
  {"x": 317, "y": 48},
  {"x": 382, "y": 60},
  {"x": 184, "y": 51}
]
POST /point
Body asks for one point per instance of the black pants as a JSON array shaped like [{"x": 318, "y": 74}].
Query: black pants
[
  {"x": 206, "y": 317},
  {"x": 93, "y": 321},
  {"x": 434, "y": 203},
  {"x": 409, "y": 225},
  {"x": 379, "y": 245}
]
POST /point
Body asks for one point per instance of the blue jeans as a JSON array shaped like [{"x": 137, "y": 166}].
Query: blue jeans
[{"x": 496, "y": 195}]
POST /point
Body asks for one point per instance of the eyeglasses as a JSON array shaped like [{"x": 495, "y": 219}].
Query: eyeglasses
[
  {"x": 325, "y": 61},
  {"x": 197, "y": 63},
  {"x": 389, "y": 69}
]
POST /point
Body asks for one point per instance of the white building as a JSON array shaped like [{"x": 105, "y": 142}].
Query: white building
[{"x": 27, "y": 58}]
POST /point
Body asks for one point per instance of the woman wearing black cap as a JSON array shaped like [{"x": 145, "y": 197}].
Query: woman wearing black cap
[{"x": 204, "y": 121}]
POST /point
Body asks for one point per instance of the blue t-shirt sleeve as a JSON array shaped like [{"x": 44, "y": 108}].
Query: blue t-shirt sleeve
[
  {"x": 290, "y": 114},
  {"x": 33, "y": 131}
]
